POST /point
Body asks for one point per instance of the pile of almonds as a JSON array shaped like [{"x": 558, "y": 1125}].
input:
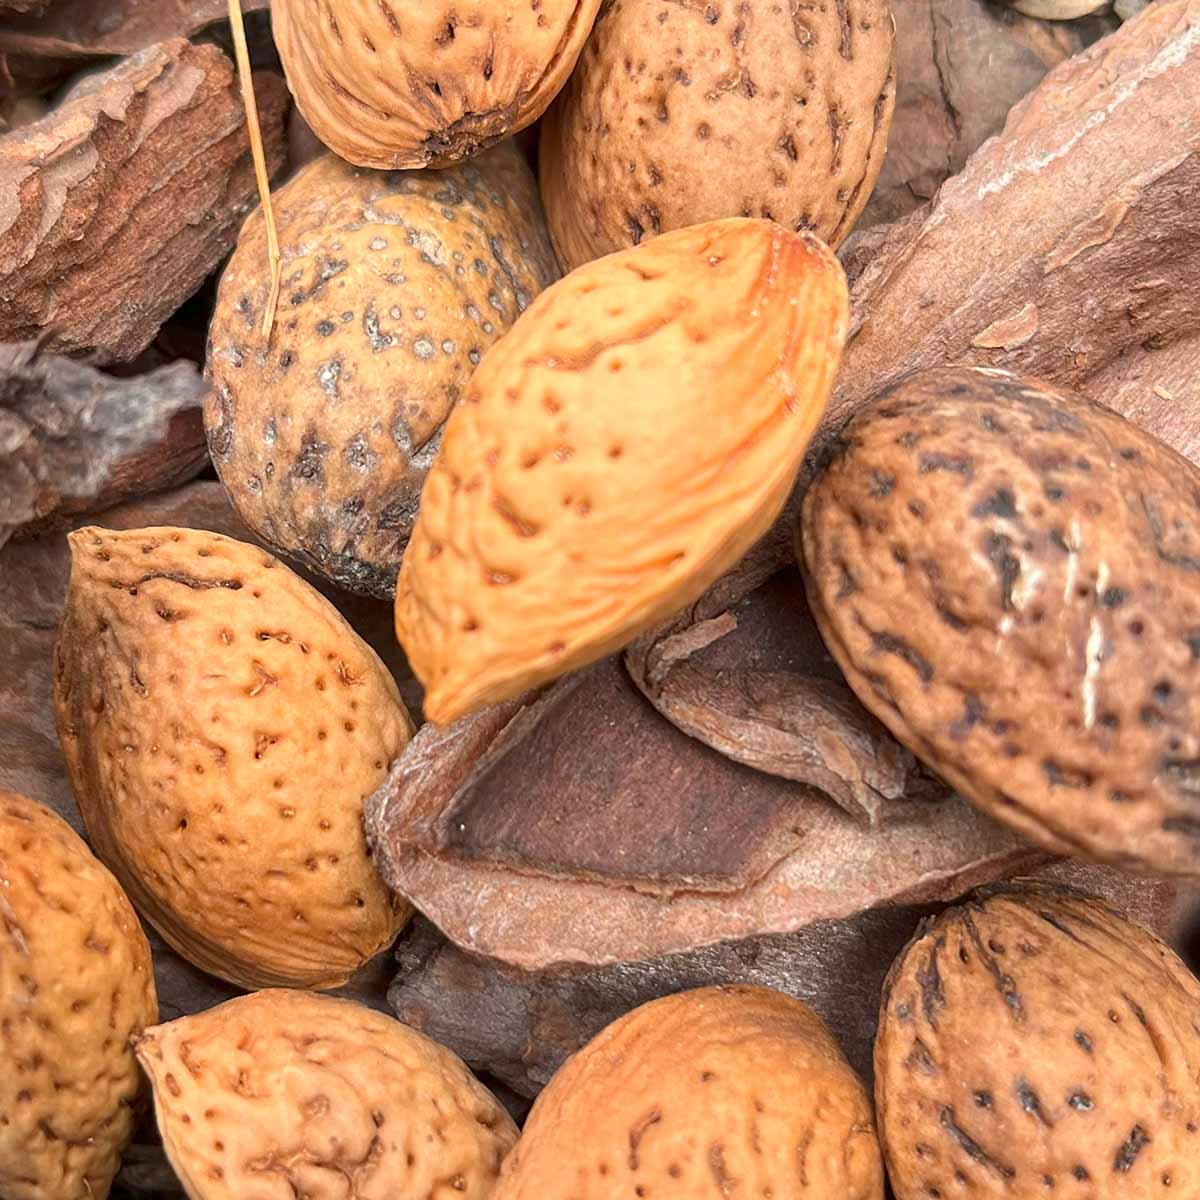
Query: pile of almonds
[{"x": 730, "y": 725}]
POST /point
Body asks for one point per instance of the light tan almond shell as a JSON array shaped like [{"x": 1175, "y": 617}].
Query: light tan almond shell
[
  {"x": 394, "y": 284},
  {"x": 222, "y": 725},
  {"x": 284, "y": 1094},
  {"x": 680, "y": 113},
  {"x": 631, "y": 438},
  {"x": 76, "y": 985},
  {"x": 1033, "y": 1043},
  {"x": 733, "y": 1091},
  {"x": 416, "y": 83}
]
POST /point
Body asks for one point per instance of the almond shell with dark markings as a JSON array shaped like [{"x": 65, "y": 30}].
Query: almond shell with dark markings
[
  {"x": 1033, "y": 1042},
  {"x": 1007, "y": 574},
  {"x": 683, "y": 113},
  {"x": 394, "y": 286},
  {"x": 221, "y": 724}
]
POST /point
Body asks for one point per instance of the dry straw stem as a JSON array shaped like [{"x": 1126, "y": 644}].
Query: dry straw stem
[{"x": 260, "y": 161}]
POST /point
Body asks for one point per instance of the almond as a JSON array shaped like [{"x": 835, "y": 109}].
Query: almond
[
  {"x": 633, "y": 435},
  {"x": 725, "y": 1091},
  {"x": 293, "y": 1094},
  {"x": 1032, "y": 1043},
  {"x": 417, "y": 83},
  {"x": 222, "y": 724},
  {"x": 394, "y": 286},
  {"x": 75, "y": 986}
]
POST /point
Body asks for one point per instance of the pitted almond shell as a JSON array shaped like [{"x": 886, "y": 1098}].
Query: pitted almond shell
[
  {"x": 416, "y": 83},
  {"x": 222, "y": 725},
  {"x": 634, "y": 434},
  {"x": 288, "y": 1093},
  {"x": 76, "y": 984}
]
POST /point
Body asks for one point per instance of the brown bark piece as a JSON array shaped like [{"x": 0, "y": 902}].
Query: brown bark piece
[
  {"x": 580, "y": 827},
  {"x": 1158, "y": 388},
  {"x": 1069, "y": 242},
  {"x": 520, "y": 1026},
  {"x": 961, "y": 65},
  {"x": 75, "y": 440},
  {"x": 41, "y": 47},
  {"x": 115, "y": 206},
  {"x": 753, "y": 680}
]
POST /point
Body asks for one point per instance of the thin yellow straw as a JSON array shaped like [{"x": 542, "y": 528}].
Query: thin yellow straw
[{"x": 275, "y": 259}]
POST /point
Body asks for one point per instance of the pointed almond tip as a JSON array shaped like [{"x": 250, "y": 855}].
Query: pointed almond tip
[
  {"x": 77, "y": 537},
  {"x": 439, "y": 713}
]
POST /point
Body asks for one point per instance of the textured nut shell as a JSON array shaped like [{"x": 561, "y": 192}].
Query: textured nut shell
[
  {"x": 221, "y": 725},
  {"x": 636, "y": 432},
  {"x": 1032, "y": 1043},
  {"x": 394, "y": 286},
  {"x": 410, "y": 83},
  {"x": 284, "y": 1094},
  {"x": 681, "y": 113},
  {"x": 719, "y": 1091},
  {"x": 1007, "y": 574},
  {"x": 75, "y": 986}
]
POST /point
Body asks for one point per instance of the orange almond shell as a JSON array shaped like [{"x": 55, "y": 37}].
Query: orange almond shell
[{"x": 630, "y": 438}]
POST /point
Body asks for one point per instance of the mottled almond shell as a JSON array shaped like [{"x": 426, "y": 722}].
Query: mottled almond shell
[
  {"x": 732, "y": 1091},
  {"x": 76, "y": 986},
  {"x": 636, "y": 432},
  {"x": 285, "y": 1094},
  {"x": 681, "y": 113},
  {"x": 1007, "y": 574},
  {"x": 411, "y": 83},
  {"x": 394, "y": 285},
  {"x": 1034, "y": 1043},
  {"x": 222, "y": 725}
]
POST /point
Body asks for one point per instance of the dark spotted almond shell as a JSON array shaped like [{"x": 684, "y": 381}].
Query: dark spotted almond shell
[
  {"x": 683, "y": 113},
  {"x": 1033, "y": 1043},
  {"x": 394, "y": 286},
  {"x": 1009, "y": 575}
]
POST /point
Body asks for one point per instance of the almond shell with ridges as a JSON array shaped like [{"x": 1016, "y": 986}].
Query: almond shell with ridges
[
  {"x": 287, "y": 1093},
  {"x": 222, "y": 724},
  {"x": 1033, "y": 1042},
  {"x": 631, "y": 438},
  {"x": 409, "y": 83},
  {"x": 75, "y": 986}
]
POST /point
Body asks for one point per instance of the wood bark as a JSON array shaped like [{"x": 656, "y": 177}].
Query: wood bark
[
  {"x": 1068, "y": 244},
  {"x": 580, "y": 827},
  {"x": 74, "y": 440},
  {"x": 960, "y": 66},
  {"x": 520, "y": 1026},
  {"x": 744, "y": 671},
  {"x": 117, "y": 204},
  {"x": 42, "y": 47}
]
